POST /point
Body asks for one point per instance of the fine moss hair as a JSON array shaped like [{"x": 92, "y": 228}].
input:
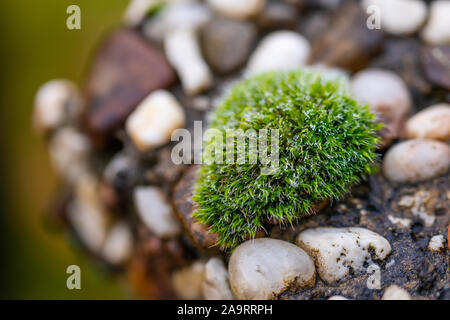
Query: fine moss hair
[{"x": 327, "y": 142}]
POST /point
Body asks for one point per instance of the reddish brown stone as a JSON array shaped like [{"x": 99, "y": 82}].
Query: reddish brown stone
[
  {"x": 150, "y": 270},
  {"x": 184, "y": 207},
  {"x": 347, "y": 43},
  {"x": 126, "y": 69}
]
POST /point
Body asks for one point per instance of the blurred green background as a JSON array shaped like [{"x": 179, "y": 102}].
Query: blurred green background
[{"x": 36, "y": 46}]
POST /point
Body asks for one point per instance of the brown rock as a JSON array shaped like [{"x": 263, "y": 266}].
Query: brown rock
[
  {"x": 126, "y": 69},
  {"x": 278, "y": 16},
  {"x": 347, "y": 43},
  {"x": 436, "y": 64},
  {"x": 184, "y": 207},
  {"x": 150, "y": 269},
  {"x": 108, "y": 196}
]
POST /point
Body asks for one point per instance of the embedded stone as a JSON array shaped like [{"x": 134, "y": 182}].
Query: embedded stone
[
  {"x": 263, "y": 268},
  {"x": 125, "y": 70},
  {"x": 336, "y": 251}
]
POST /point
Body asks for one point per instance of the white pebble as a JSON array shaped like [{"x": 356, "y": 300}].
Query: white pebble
[
  {"x": 179, "y": 15},
  {"x": 155, "y": 211},
  {"x": 338, "y": 298},
  {"x": 151, "y": 124},
  {"x": 118, "y": 244},
  {"x": 437, "y": 29},
  {"x": 416, "y": 160},
  {"x": 406, "y": 201},
  {"x": 183, "y": 52},
  {"x": 263, "y": 268},
  {"x": 187, "y": 282},
  {"x": 86, "y": 214},
  {"x": 69, "y": 152},
  {"x": 216, "y": 285},
  {"x": 385, "y": 93},
  {"x": 57, "y": 102},
  {"x": 336, "y": 250},
  {"x": 437, "y": 243},
  {"x": 237, "y": 9},
  {"x": 431, "y": 123},
  {"x": 280, "y": 50},
  {"x": 401, "y": 222},
  {"x": 390, "y": 263},
  {"x": 394, "y": 292},
  {"x": 399, "y": 17}
]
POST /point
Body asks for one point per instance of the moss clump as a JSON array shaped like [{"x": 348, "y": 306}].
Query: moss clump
[{"x": 326, "y": 142}]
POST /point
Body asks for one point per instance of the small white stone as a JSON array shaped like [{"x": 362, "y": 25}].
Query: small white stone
[
  {"x": 86, "y": 214},
  {"x": 399, "y": 17},
  {"x": 390, "y": 263},
  {"x": 437, "y": 243},
  {"x": 280, "y": 50},
  {"x": 338, "y": 298},
  {"x": 416, "y": 160},
  {"x": 386, "y": 94},
  {"x": 183, "y": 52},
  {"x": 118, "y": 244},
  {"x": 156, "y": 212},
  {"x": 336, "y": 250},
  {"x": 437, "y": 29},
  {"x": 263, "y": 268},
  {"x": 69, "y": 152},
  {"x": 57, "y": 102},
  {"x": 178, "y": 15},
  {"x": 394, "y": 292},
  {"x": 237, "y": 9},
  {"x": 401, "y": 222},
  {"x": 406, "y": 201},
  {"x": 151, "y": 124},
  {"x": 187, "y": 282},
  {"x": 216, "y": 285},
  {"x": 431, "y": 123}
]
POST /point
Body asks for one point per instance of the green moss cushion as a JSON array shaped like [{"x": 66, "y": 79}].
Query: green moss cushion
[{"x": 326, "y": 142}]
